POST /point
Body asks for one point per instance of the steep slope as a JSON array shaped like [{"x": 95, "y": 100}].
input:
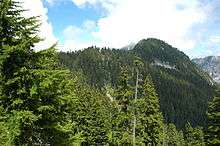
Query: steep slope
[
  {"x": 211, "y": 65},
  {"x": 183, "y": 88}
]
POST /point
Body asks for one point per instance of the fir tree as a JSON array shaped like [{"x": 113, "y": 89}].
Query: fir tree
[
  {"x": 213, "y": 136},
  {"x": 90, "y": 115},
  {"x": 138, "y": 64},
  {"x": 173, "y": 137},
  {"x": 34, "y": 90},
  {"x": 194, "y": 136},
  {"x": 123, "y": 96},
  {"x": 150, "y": 119},
  {"x": 14, "y": 27}
]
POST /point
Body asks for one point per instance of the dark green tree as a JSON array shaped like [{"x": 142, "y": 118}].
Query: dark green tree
[
  {"x": 34, "y": 91},
  {"x": 123, "y": 96},
  {"x": 14, "y": 27},
  {"x": 182, "y": 87},
  {"x": 91, "y": 115},
  {"x": 194, "y": 136},
  {"x": 138, "y": 64},
  {"x": 149, "y": 117},
  {"x": 173, "y": 137},
  {"x": 212, "y": 134}
]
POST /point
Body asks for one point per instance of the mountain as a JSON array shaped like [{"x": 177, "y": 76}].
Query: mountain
[
  {"x": 183, "y": 88},
  {"x": 128, "y": 47},
  {"x": 211, "y": 65}
]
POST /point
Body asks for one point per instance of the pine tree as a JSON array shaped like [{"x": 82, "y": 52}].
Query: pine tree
[
  {"x": 173, "y": 137},
  {"x": 14, "y": 27},
  {"x": 35, "y": 92},
  {"x": 90, "y": 115},
  {"x": 194, "y": 136},
  {"x": 212, "y": 135},
  {"x": 124, "y": 95},
  {"x": 150, "y": 119},
  {"x": 138, "y": 64}
]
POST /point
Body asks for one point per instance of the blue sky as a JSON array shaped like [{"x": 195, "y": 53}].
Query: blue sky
[
  {"x": 70, "y": 15},
  {"x": 193, "y": 26}
]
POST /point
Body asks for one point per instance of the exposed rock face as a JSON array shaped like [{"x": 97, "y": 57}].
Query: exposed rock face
[{"x": 211, "y": 65}]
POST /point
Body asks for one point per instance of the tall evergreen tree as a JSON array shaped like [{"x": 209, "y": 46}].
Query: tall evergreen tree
[
  {"x": 138, "y": 64},
  {"x": 123, "y": 96},
  {"x": 14, "y": 27},
  {"x": 90, "y": 115},
  {"x": 150, "y": 119},
  {"x": 173, "y": 137},
  {"x": 213, "y": 136},
  {"x": 194, "y": 136},
  {"x": 34, "y": 90}
]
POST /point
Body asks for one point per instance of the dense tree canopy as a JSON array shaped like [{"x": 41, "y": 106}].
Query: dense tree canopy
[
  {"x": 213, "y": 136},
  {"x": 34, "y": 90},
  {"x": 108, "y": 97},
  {"x": 182, "y": 87}
]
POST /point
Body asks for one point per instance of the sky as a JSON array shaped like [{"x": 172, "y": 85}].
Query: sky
[{"x": 192, "y": 26}]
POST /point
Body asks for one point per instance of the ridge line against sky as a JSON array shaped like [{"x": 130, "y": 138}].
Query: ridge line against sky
[{"x": 190, "y": 25}]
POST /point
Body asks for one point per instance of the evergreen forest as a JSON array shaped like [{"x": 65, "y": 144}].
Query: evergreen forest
[{"x": 152, "y": 94}]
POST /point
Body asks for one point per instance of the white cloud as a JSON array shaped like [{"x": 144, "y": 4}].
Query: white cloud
[
  {"x": 75, "y": 37},
  {"x": 129, "y": 21},
  {"x": 81, "y": 3},
  {"x": 214, "y": 39},
  {"x": 36, "y": 8},
  {"x": 72, "y": 32},
  {"x": 72, "y": 45},
  {"x": 89, "y": 25},
  {"x": 50, "y": 1},
  {"x": 53, "y": 2}
]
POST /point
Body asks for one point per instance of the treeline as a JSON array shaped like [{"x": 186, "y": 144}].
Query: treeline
[
  {"x": 182, "y": 87},
  {"x": 42, "y": 103}
]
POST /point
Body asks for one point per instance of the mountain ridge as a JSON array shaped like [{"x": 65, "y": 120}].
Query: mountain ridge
[
  {"x": 211, "y": 65},
  {"x": 183, "y": 88}
]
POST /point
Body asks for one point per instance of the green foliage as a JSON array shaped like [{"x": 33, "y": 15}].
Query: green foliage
[
  {"x": 34, "y": 100},
  {"x": 123, "y": 123},
  {"x": 173, "y": 137},
  {"x": 4, "y": 134},
  {"x": 183, "y": 89},
  {"x": 194, "y": 136},
  {"x": 212, "y": 134},
  {"x": 90, "y": 115},
  {"x": 44, "y": 104},
  {"x": 34, "y": 91},
  {"x": 14, "y": 27},
  {"x": 149, "y": 117}
]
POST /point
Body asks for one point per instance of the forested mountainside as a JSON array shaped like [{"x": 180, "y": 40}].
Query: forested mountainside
[
  {"x": 211, "y": 65},
  {"x": 109, "y": 98},
  {"x": 183, "y": 88}
]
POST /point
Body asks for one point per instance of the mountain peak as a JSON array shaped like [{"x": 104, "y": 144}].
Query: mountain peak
[
  {"x": 152, "y": 49},
  {"x": 152, "y": 41},
  {"x": 211, "y": 65}
]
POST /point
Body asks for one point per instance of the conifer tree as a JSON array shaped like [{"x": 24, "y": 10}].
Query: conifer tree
[
  {"x": 14, "y": 27},
  {"x": 173, "y": 137},
  {"x": 34, "y": 90},
  {"x": 137, "y": 64},
  {"x": 212, "y": 134},
  {"x": 90, "y": 115},
  {"x": 194, "y": 136},
  {"x": 123, "y": 96},
  {"x": 150, "y": 119}
]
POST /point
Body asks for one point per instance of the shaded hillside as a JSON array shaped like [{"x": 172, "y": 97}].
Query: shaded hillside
[{"x": 183, "y": 88}]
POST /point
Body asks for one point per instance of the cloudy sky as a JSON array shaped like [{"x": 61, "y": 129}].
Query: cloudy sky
[{"x": 193, "y": 26}]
